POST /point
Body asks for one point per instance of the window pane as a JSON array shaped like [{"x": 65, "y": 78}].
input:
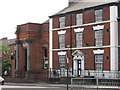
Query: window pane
[
  {"x": 62, "y": 62},
  {"x": 98, "y": 62},
  {"x": 62, "y": 22},
  {"x": 45, "y": 59},
  {"x": 79, "y": 39},
  {"x": 62, "y": 41},
  {"x": 99, "y": 38},
  {"x": 79, "y": 19},
  {"x": 98, "y": 15}
]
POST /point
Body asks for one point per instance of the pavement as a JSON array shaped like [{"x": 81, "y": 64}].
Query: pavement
[
  {"x": 56, "y": 85},
  {"x": 36, "y": 84}
]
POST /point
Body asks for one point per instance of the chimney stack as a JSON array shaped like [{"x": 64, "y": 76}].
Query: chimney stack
[
  {"x": 72, "y": 1},
  {"x": 5, "y": 38}
]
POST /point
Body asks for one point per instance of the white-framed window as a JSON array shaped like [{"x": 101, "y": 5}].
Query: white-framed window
[
  {"x": 99, "y": 15},
  {"x": 79, "y": 19},
  {"x": 45, "y": 58},
  {"x": 61, "y": 41},
  {"x": 98, "y": 37},
  {"x": 61, "y": 22},
  {"x": 62, "y": 61},
  {"x": 79, "y": 39},
  {"x": 99, "y": 62}
]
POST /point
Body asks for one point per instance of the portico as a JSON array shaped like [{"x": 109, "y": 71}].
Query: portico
[{"x": 78, "y": 62}]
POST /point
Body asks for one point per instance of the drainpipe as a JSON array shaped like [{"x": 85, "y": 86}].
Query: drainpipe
[{"x": 71, "y": 41}]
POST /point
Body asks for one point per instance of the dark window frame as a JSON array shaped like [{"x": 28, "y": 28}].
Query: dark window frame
[
  {"x": 59, "y": 61},
  {"x": 102, "y": 62},
  {"x": 95, "y": 38},
  {"x": 59, "y": 41},
  {"x": 95, "y": 15},
  {"x": 64, "y": 21},
  {"x": 45, "y": 57},
  {"x": 76, "y": 18},
  {"x": 76, "y": 40}
]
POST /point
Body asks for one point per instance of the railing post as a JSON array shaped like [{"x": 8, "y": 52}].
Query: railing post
[
  {"x": 97, "y": 82},
  {"x": 47, "y": 75},
  {"x": 60, "y": 72}
]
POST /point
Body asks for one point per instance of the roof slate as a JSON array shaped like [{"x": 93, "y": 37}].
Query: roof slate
[{"x": 82, "y": 4}]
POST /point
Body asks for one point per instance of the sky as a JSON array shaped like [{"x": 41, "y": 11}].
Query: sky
[{"x": 17, "y": 12}]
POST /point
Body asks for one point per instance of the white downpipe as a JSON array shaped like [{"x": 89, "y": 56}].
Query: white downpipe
[
  {"x": 50, "y": 43},
  {"x": 114, "y": 37}
]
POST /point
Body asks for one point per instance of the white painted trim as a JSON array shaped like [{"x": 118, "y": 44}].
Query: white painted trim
[
  {"x": 61, "y": 53},
  {"x": 92, "y": 47},
  {"x": 82, "y": 25},
  {"x": 75, "y": 64},
  {"x": 98, "y": 27},
  {"x": 78, "y": 30},
  {"x": 114, "y": 37},
  {"x": 98, "y": 51},
  {"x": 50, "y": 42},
  {"x": 61, "y": 32}
]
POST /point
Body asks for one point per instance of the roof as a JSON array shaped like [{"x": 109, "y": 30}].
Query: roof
[
  {"x": 7, "y": 42},
  {"x": 11, "y": 41},
  {"x": 83, "y": 4}
]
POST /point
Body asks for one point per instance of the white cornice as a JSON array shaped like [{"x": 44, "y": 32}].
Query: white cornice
[
  {"x": 98, "y": 51},
  {"x": 79, "y": 30},
  {"x": 83, "y": 25},
  {"x": 92, "y": 47},
  {"x": 62, "y": 32},
  {"x": 61, "y": 53},
  {"x": 98, "y": 27}
]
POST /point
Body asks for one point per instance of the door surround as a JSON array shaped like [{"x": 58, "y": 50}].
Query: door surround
[{"x": 78, "y": 55}]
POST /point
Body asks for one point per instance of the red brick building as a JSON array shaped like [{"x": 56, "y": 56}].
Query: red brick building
[
  {"x": 8, "y": 42},
  {"x": 88, "y": 32},
  {"x": 32, "y": 47}
]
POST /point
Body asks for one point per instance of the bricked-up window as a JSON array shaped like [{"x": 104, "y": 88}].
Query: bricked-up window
[
  {"x": 62, "y": 61},
  {"x": 98, "y": 15},
  {"x": 61, "y": 22},
  {"x": 98, "y": 37},
  {"x": 79, "y": 39},
  {"x": 62, "y": 41},
  {"x": 45, "y": 58},
  {"x": 79, "y": 19},
  {"x": 99, "y": 62}
]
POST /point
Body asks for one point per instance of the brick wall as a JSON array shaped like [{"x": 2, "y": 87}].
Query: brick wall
[
  {"x": 39, "y": 33},
  {"x": 88, "y": 38}
]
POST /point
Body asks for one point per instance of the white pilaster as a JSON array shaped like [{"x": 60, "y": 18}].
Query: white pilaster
[
  {"x": 50, "y": 42},
  {"x": 28, "y": 57},
  {"x": 17, "y": 57},
  {"x": 114, "y": 37}
]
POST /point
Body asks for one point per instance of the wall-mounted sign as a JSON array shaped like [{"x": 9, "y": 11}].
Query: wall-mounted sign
[
  {"x": 23, "y": 38},
  {"x": 46, "y": 61}
]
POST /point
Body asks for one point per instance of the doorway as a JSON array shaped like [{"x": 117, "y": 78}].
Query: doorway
[
  {"x": 78, "y": 63},
  {"x": 79, "y": 67}
]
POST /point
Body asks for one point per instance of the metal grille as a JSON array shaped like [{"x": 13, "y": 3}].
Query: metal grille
[{"x": 94, "y": 84}]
